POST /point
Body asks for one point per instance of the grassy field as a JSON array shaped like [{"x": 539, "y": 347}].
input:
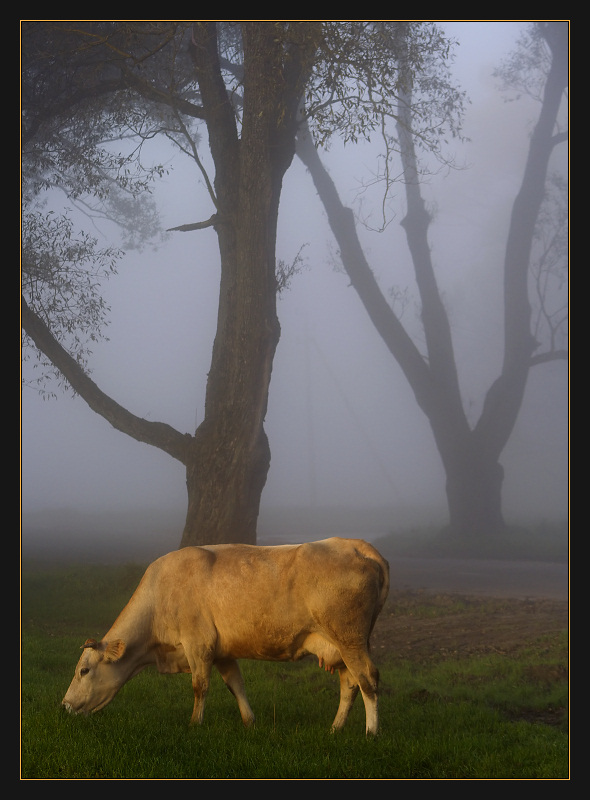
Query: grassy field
[{"x": 457, "y": 718}]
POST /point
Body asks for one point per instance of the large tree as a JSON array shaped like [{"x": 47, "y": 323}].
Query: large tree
[
  {"x": 470, "y": 453},
  {"x": 88, "y": 85},
  {"x": 227, "y": 458}
]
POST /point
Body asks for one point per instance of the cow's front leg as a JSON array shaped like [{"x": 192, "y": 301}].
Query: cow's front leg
[
  {"x": 230, "y": 672},
  {"x": 200, "y": 689},
  {"x": 200, "y": 665}
]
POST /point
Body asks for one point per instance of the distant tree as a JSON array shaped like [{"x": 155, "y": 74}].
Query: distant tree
[
  {"x": 535, "y": 262},
  {"x": 93, "y": 92}
]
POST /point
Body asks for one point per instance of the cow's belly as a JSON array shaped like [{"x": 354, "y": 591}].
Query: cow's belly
[
  {"x": 257, "y": 648},
  {"x": 281, "y": 648}
]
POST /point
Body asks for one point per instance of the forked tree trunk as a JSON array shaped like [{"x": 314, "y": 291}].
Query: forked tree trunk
[{"x": 470, "y": 457}]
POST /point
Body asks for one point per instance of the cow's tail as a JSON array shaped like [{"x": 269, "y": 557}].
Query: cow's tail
[
  {"x": 383, "y": 582},
  {"x": 368, "y": 551}
]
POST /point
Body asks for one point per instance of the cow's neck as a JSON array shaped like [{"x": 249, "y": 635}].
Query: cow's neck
[{"x": 133, "y": 626}]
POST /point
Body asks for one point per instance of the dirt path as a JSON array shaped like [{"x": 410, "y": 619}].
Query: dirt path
[{"x": 517, "y": 579}]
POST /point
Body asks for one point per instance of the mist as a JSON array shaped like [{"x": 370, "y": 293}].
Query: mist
[{"x": 351, "y": 451}]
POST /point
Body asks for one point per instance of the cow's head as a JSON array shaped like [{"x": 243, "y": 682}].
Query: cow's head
[{"x": 98, "y": 677}]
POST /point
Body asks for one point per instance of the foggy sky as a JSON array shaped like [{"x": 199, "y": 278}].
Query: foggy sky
[{"x": 343, "y": 425}]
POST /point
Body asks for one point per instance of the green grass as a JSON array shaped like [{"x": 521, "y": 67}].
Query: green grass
[{"x": 452, "y": 719}]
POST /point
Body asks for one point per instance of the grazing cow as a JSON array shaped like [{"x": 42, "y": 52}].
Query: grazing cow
[{"x": 200, "y": 607}]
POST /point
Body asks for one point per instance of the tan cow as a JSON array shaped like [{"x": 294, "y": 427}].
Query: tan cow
[{"x": 200, "y": 607}]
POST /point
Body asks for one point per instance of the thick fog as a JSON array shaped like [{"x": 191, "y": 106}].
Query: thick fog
[{"x": 344, "y": 429}]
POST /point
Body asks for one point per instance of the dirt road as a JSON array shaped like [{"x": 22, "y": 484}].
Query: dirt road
[{"x": 518, "y": 579}]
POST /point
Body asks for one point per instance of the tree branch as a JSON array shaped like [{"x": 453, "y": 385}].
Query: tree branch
[
  {"x": 553, "y": 355},
  {"x": 157, "y": 434},
  {"x": 389, "y": 327},
  {"x": 150, "y": 92},
  {"x": 504, "y": 400},
  {"x": 439, "y": 342},
  {"x": 196, "y": 226}
]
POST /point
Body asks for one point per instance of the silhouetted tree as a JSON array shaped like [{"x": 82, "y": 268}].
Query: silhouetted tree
[
  {"x": 177, "y": 71},
  {"x": 470, "y": 454}
]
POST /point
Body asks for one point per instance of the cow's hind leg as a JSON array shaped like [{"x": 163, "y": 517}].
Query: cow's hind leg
[
  {"x": 348, "y": 691},
  {"x": 231, "y": 674},
  {"x": 366, "y": 674}
]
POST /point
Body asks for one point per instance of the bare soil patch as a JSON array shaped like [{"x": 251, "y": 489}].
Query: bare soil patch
[{"x": 420, "y": 626}]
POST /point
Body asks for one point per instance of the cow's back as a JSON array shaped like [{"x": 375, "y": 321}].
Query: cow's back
[{"x": 217, "y": 575}]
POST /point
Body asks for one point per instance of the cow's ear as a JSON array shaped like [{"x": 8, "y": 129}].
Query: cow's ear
[{"x": 114, "y": 650}]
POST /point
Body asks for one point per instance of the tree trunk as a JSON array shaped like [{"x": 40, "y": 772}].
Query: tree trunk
[
  {"x": 474, "y": 480},
  {"x": 230, "y": 455},
  {"x": 474, "y": 497}
]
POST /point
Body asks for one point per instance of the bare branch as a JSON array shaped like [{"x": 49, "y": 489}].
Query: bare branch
[
  {"x": 158, "y": 434},
  {"x": 197, "y": 226},
  {"x": 553, "y": 355}
]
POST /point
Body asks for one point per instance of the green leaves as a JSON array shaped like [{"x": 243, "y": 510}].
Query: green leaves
[
  {"x": 62, "y": 275},
  {"x": 363, "y": 66}
]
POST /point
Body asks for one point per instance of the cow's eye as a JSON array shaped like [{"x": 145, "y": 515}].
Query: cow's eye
[{"x": 84, "y": 671}]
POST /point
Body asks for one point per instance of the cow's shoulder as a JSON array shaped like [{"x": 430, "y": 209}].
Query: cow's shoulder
[{"x": 180, "y": 565}]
